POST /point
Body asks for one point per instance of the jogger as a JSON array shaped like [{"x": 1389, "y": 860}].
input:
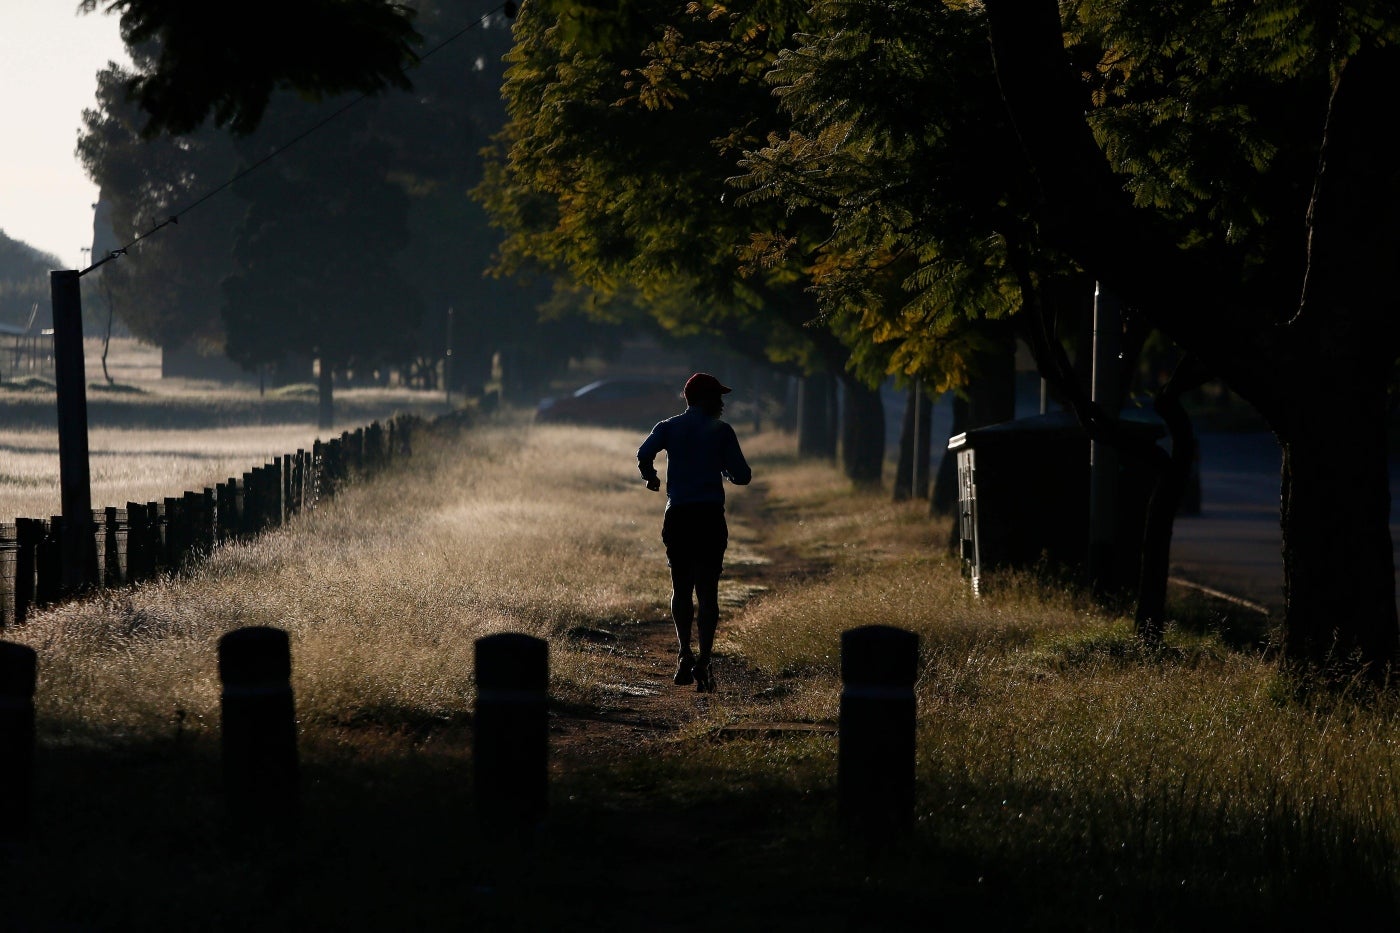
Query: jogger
[{"x": 701, "y": 452}]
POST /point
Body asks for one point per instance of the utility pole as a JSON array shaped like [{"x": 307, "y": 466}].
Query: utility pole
[
  {"x": 1105, "y": 392},
  {"x": 447, "y": 360},
  {"x": 75, "y": 482}
]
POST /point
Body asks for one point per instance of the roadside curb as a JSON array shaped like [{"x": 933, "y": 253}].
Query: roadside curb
[{"x": 1220, "y": 594}]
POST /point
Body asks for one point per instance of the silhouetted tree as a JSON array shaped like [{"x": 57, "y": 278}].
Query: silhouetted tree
[
  {"x": 315, "y": 260},
  {"x": 167, "y": 292},
  {"x": 220, "y": 63},
  {"x": 626, "y": 121},
  {"x": 1219, "y": 168}
]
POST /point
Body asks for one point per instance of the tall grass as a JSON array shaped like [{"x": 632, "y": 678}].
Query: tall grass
[
  {"x": 383, "y": 591},
  {"x": 1067, "y": 777},
  {"x": 1049, "y": 738}
]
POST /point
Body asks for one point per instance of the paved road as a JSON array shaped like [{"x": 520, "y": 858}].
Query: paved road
[{"x": 1234, "y": 545}]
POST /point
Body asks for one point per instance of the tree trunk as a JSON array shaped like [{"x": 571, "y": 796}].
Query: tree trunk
[
  {"x": 862, "y": 433},
  {"x": 1339, "y": 579},
  {"x": 1165, "y": 501},
  {"x": 325, "y": 400},
  {"x": 922, "y": 458},
  {"x": 1317, "y": 373},
  {"x": 944, "y": 500},
  {"x": 913, "y": 448},
  {"x": 816, "y": 436}
]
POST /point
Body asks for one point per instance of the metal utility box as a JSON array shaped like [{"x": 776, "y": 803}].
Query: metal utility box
[{"x": 1023, "y": 497}]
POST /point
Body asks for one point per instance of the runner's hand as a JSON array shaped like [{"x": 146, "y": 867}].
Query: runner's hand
[{"x": 654, "y": 483}]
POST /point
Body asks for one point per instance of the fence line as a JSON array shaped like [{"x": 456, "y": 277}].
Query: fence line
[{"x": 122, "y": 546}]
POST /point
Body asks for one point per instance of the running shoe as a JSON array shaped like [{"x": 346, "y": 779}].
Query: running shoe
[{"x": 685, "y": 670}]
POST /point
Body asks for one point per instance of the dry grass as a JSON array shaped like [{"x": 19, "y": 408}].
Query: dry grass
[
  {"x": 137, "y": 465},
  {"x": 150, "y": 438},
  {"x": 383, "y": 592},
  {"x": 1066, "y": 776},
  {"x": 1046, "y": 733}
]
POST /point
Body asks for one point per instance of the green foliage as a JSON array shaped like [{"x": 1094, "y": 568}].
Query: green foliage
[
  {"x": 1213, "y": 114},
  {"x": 625, "y": 123},
  {"x": 908, "y": 156}
]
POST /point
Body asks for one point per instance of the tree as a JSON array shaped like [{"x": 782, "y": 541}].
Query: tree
[
  {"x": 315, "y": 254},
  {"x": 214, "y": 64},
  {"x": 901, "y": 138},
  {"x": 23, "y": 280},
  {"x": 625, "y": 123},
  {"x": 1306, "y": 85},
  {"x": 427, "y": 146},
  {"x": 167, "y": 297}
]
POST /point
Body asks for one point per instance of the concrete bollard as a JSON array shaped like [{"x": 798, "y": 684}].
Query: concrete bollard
[
  {"x": 18, "y": 672},
  {"x": 261, "y": 783},
  {"x": 875, "y": 760},
  {"x": 511, "y": 734}
]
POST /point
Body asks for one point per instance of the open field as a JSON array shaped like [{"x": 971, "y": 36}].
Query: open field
[
  {"x": 1067, "y": 778},
  {"x": 150, "y": 438}
]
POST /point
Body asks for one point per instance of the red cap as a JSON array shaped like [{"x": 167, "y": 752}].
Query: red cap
[{"x": 702, "y": 385}]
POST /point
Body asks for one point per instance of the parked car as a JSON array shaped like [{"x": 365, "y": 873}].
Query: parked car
[{"x": 626, "y": 403}]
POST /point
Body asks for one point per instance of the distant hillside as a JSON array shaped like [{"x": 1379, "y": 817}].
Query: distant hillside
[{"x": 24, "y": 280}]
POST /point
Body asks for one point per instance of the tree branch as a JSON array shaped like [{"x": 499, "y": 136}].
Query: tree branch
[{"x": 1084, "y": 209}]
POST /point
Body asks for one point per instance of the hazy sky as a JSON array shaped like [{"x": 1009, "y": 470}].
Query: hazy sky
[{"x": 49, "y": 59}]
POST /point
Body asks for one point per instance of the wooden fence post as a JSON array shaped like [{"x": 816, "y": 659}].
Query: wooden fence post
[
  {"x": 48, "y": 563},
  {"x": 285, "y": 473},
  {"x": 208, "y": 512},
  {"x": 238, "y": 497},
  {"x": 30, "y": 534},
  {"x": 117, "y": 562},
  {"x": 259, "y": 737},
  {"x": 18, "y": 672},
  {"x": 875, "y": 758},
  {"x": 177, "y": 537},
  {"x": 275, "y": 487},
  {"x": 138, "y": 561},
  {"x": 318, "y": 467},
  {"x": 511, "y": 733},
  {"x": 95, "y": 540},
  {"x": 251, "y": 508},
  {"x": 9, "y": 573},
  {"x": 160, "y": 536},
  {"x": 297, "y": 477},
  {"x": 374, "y": 446},
  {"x": 327, "y": 475}
]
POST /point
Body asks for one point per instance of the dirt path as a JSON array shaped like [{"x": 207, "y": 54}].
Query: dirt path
[{"x": 641, "y": 704}]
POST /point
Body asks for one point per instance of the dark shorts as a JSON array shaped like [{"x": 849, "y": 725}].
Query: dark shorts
[{"x": 695, "y": 536}]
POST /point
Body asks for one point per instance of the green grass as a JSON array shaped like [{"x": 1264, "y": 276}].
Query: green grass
[{"x": 1067, "y": 777}]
